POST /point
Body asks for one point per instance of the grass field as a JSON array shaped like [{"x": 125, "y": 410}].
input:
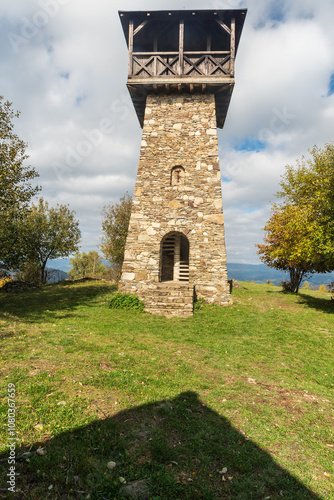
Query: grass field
[{"x": 232, "y": 403}]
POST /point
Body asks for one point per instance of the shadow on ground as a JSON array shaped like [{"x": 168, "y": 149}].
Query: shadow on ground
[
  {"x": 319, "y": 303},
  {"x": 49, "y": 301},
  {"x": 171, "y": 449},
  {"x": 326, "y": 305}
]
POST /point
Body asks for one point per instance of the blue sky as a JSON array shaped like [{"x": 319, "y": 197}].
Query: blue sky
[{"x": 63, "y": 64}]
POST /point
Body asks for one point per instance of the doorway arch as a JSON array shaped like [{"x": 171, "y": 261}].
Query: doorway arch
[{"x": 174, "y": 257}]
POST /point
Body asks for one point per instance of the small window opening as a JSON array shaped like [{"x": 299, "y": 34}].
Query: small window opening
[{"x": 177, "y": 175}]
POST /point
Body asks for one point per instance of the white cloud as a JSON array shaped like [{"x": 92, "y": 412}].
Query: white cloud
[{"x": 64, "y": 65}]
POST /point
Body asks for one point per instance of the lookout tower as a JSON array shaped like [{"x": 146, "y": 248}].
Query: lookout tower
[{"x": 181, "y": 77}]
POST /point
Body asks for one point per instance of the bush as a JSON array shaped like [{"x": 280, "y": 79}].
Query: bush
[
  {"x": 126, "y": 301},
  {"x": 198, "y": 303},
  {"x": 322, "y": 288},
  {"x": 30, "y": 272},
  {"x": 287, "y": 286}
]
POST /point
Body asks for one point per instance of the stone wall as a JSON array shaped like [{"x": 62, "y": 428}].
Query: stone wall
[{"x": 179, "y": 131}]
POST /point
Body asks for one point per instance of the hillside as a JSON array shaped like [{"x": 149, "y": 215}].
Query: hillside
[
  {"x": 231, "y": 403},
  {"x": 241, "y": 272}
]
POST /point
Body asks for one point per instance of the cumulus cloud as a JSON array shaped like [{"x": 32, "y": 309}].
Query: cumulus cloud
[{"x": 64, "y": 65}]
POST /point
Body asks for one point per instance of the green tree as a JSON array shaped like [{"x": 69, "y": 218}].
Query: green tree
[
  {"x": 311, "y": 185},
  {"x": 50, "y": 233},
  {"x": 293, "y": 242},
  {"x": 84, "y": 265},
  {"x": 16, "y": 189},
  {"x": 115, "y": 223},
  {"x": 300, "y": 232}
]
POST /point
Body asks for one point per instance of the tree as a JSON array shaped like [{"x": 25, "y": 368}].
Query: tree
[
  {"x": 294, "y": 242},
  {"x": 16, "y": 189},
  {"x": 84, "y": 265},
  {"x": 311, "y": 184},
  {"x": 115, "y": 223},
  {"x": 300, "y": 232},
  {"x": 50, "y": 233}
]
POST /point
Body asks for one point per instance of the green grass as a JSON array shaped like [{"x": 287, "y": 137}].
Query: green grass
[{"x": 173, "y": 402}]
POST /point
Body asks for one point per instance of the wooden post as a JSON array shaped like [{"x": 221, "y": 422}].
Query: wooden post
[
  {"x": 208, "y": 49},
  {"x": 130, "y": 47},
  {"x": 181, "y": 46},
  {"x": 155, "y": 49},
  {"x": 232, "y": 46}
]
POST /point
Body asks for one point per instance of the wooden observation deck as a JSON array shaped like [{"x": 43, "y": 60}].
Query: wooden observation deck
[{"x": 182, "y": 51}]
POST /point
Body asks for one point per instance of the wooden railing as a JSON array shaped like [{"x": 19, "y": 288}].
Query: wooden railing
[{"x": 190, "y": 64}]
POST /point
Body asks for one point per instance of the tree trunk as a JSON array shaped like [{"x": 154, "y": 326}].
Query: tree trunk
[
  {"x": 43, "y": 273},
  {"x": 296, "y": 277}
]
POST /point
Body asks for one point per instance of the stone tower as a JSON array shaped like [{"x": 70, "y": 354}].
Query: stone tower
[{"x": 181, "y": 76}]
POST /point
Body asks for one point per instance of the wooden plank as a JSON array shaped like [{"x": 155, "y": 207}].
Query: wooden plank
[
  {"x": 140, "y": 27},
  {"x": 208, "y": 48},
  {"x": 188, "y": 52},
  {"x": 155, "y": 49},
  {"x": 232, "y": 60},
  {"x": 224, "y": 26},
  {"x": 181, "y": 45},
  {"x": 130, "y": 69}
]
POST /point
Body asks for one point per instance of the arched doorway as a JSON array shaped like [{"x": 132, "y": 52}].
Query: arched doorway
[{"x": 174, "y": 257}]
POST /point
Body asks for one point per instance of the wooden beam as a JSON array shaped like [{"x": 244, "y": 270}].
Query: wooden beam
[
  {"x": 130, "y": 69},
  {"x": 181, "y": 45},
  {"x": 208, "y": 48},
  {"x": 224, "y": 26},
  {"x": 191, "y": 86},
  {"x": 140, "y": 27},
  {"x": 155, "y": 49},
  {"x": 167, "y": 87},
  {"x": 155, "y": 88},
  {"x": 179, "y": 87},
  {"x": 203, "y": 88},
  {"x": 232, "y": 60}
]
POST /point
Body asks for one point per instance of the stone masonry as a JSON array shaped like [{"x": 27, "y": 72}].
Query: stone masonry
[{"x": 178, "y": 191}]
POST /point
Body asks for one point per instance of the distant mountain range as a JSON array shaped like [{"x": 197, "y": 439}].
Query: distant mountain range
[
  {"x": 259, "y": 273},
  {"x": 55, "y": 275}
]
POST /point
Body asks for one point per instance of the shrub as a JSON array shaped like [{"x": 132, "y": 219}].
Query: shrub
[
  {"x": 322, "y": 288},
  {"x": 126, "y": 301},
  {"x": 198, "y": 303},
  {"x": 287, "y": 286}
]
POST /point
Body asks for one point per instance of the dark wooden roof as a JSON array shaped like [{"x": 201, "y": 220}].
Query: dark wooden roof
[{"x": 165, "y": 15}]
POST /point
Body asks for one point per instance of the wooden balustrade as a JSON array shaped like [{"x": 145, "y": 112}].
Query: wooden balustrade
[{"x": 152, "y": 64}]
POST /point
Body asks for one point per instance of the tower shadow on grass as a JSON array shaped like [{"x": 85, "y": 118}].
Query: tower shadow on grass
[{"x": 171, "y": 449}]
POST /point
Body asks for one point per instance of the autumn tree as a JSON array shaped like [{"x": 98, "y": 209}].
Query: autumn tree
[
  {"x": 293, "y": 242},
  {"x": 86, "y": 264},
  {"x": 16, "y": 189},
  {"x": 299, "y": 236},
  {"x": 50, "y": 233},
  {"x": 115, "y": 223}
]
